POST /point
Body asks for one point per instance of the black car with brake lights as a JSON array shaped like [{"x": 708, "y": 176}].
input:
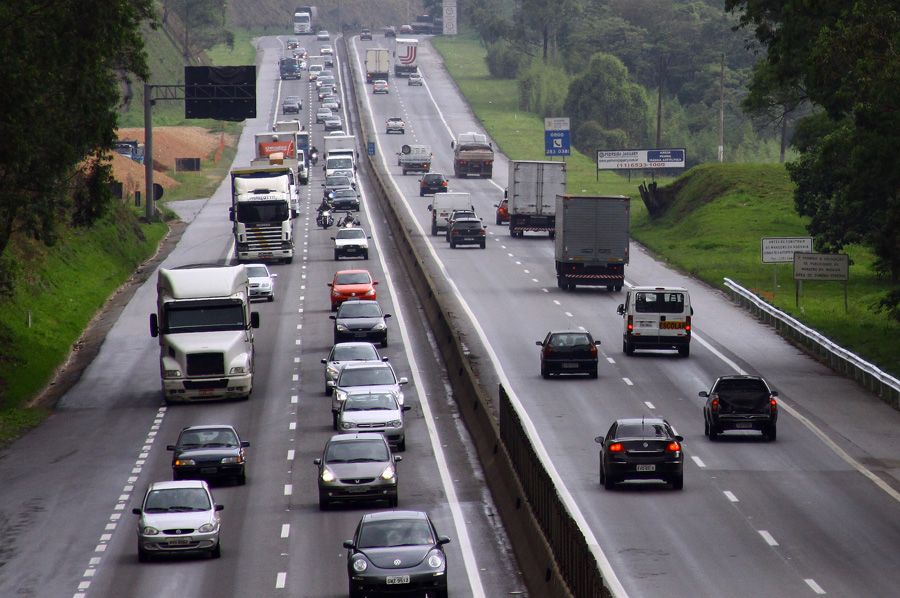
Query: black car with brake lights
[
  {"x": 568, "y": 352},
  {"x": 433, "y": 182},
  {"x": 360, "y": 320},
  {"x": 397, "y": 553},
  {"x": 641, "y": 448},
  {"x": 467, "y": 231},
  {"x": 740, "y": 403},
  {"x": 211, "y": 452}
]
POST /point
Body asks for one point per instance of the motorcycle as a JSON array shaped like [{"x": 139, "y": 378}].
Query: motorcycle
[
  {"x": 349, "y": 221},
  {"x": 325, "y": 219},
  {"x": 314, "y": 157}
]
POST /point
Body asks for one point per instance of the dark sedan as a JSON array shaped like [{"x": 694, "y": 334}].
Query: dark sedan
[
  {"x": 433, "y": 182},
  {"x": 740, "y": 403},
  {"x": 467, "y": 231},
  {"x": 360, "y": 321},
  {"x": 209, "y": 452},
  {"x": 568, "y": 352},
  {"x": 357, "y": 467},
  {"x": 291, "y": 105},
  {"x": 343, "y": 199},
  {"x": 365, "y": 35},
  {"x": 641, "y": 448},
  {"x": 397, "y": 552}
]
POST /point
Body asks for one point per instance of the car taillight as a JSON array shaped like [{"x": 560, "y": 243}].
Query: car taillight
[
  {"x": 463, "y": 162},
  {"x": 673, "y": 447},
  {"x": 714, "y": 405},
  {"x": 444, "y": 183},
  {"x": 593, "y": 350},
  {"x": 481, "y": 232},
  {"x": 616, "y": 447},
  {"x": 773, "y": 404},
  {"x": 687, "y": 324},
  {"x": 630, "y": 325}
]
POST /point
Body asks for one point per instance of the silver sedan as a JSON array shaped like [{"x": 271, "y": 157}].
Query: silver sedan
[
  {"x": 178, "y": 517},
  {"x": 365, "y": 411}
]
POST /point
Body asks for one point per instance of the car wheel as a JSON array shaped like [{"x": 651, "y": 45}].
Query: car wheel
[
  {"x": 355, "y": 593},
  {"x": 545, "y": 373},
  {"x": 441, "y": 593},
  {"x": 323, "y": 504},
  {"x": 334, "y": 420},
  {"x": 217, "y": 551},
  {"x": 337, "y": 255},
  {"x": 434, "y": 230},
  {"x": 452, "y": 245},
  {"x": 366, "y": 255},
  {"x": 684, "y": 351},
  {"x": 705, "y": 427},
  {"x": 328, "y": 390},
  {"x": 401, "y": 446},
  {"x": 143, "y": 555},
  {"x": 677, "y": 481},
  {"x": 384, "y": 342},
  {"x": 628, "y": 348},
  {"x": 770, "y": 433},
  {"x": 393, "y": 501},
  {"x": 498, "y": 221},
  {"x": 242, "y": 479},
  {"x": 594, "y": 373},
  {"x": 713, "y": 432},
  {"x": 602, "y": 475},
  {"x": 609, "y": 482},
  {"x": 421, "y": 193},
  {"x": 483, "y": 245},
  {"x": 271, "y": 298}
]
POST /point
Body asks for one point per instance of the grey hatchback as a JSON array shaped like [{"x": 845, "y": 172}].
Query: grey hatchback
[
  {"x": 568, "y": 352},
  {"x": 357, "y": 467}
]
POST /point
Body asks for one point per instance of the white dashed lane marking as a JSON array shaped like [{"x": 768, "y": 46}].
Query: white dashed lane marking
[
  {"x": 767, "y": 537},
  {"x": 698, "y": 461},
  {"x": 730, "y": 496}
]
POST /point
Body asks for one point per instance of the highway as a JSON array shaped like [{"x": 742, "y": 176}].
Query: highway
[{"x": 796, "y": 517}]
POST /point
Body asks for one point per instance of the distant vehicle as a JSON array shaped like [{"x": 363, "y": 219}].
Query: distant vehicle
[
  {"x": 414, "y": 157},
  {"x": 300, "y": 52},
  {"x": 357, "y": 467},
  {"x": 334, "y": 123},
  {"x": 289, "y": 68},
  {"x": 292, "y": 44},
  {"x": 188, "y": 514},
  {"x": 328, "y": 102},
  {"x": 323, "y": 35},
  {"x": 389, "y": 31},
  {"x": 467, "y": 231},
  {"x": 502, "y": 211},
  {"x": 406, "y": 29},
  {"x": 352, "y": 284},
  {"x": 396, "y": 548},
  {"x": 415, "y": 79},
  {"x": 328, "y": 60},
  {"x": 443, "y": 204},
  {"x": 395, "y": 124},
  {"x": 345, "y": 199},
  {"x": 325, "y": 91},
  {"x": 326, "y": 51},
  {"x": 568, "y": 352},
  {"x": 324, "y": 79},
  {"x": 323, "y": 113},
  {"x": 360, "y": 320},
  {"x": 591, "y": 241},
  {"x": 209, "y": 452},
  {"x": 131, "y": 149},
  {"x": 372, "y": 377},
  {"x": 462, "y": 214},
  {"x": 343, "y": 353},
  {"x": 380, "y": 86},
  {"x": 427, "y": 24},
  {"x": 641, "y": 448},
  {"x": 314, "y": 70},
  {"x": 351, "y": 242},
  {"x": 740, "y": 403},
  {"x": 533, "y": 188},
  {"x": 378, "y": 64},
  {"x": 433, "y": 182},
  {"x": 262, "y": 282},
  {"x": 405, "y": 56},
  {"x": 365, "y": 411},
  {"x": 365, "y": 35},
  {"x": 472, "y": 154},
  {"x": 291, "y": 105},
  {"x": 303, "y": 19}
]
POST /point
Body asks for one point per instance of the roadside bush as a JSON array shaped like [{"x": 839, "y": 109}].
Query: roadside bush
[
  {"x": 504, "y": 61},
  {"x": 543, "y": 89},
  {"x": 591, "y": 136}
]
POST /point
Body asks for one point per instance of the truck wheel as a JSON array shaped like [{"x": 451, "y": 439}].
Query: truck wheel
[
  {"x": 553, "y": 234},
  {"x": 404, "y": 172},
  {"x": 334, "y": 420},
  {"x": 684, "y": 351},
  {"x": 618, "y": 288},
  {"x": 561, "y": 282},
  {"x": 610, "y": 287},
  {"x": 337, "y": 255},
  {"x": 483, "y": 244},
  {"x": 434, "y": 230},
  {"x": 452, "y": 245},
  {"x": 498, "y": 221},
  {"x": 628, "y": 348},
  {"x": 366, "y": 255}
]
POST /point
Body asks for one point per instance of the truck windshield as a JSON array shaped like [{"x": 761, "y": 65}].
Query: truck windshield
[
  {"x": 336, "y": 163},
  {"x": 193, "y": 316},
  {"x": 660, "y": 303},
  {"x": 252, "y": 212},
  {"x": 301, "y": 18}
]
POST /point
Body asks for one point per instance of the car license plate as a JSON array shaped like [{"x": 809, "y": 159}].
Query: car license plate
[
  {"x": 468, "y": 238},
  {"x": 743, "y": 425},
  {"x": 351, "y": 250},
  {"x": 570, "y": 365},
  {"x": 396, "y": 579},
  {"x": 360, "y": 334},
  {"x": 208, "y": 470},
  {"x": 645, "y": 467},
  {"x": 671, "y": 325},
  {"x": 179, "y": 541}
]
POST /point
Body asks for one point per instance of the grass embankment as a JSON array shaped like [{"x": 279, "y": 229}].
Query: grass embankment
[
  {"x": 56, "y": 291},
  {"x": 714, "y": 228}
]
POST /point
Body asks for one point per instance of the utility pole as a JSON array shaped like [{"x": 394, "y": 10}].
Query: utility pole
[
  {"x": 149, "y": 200},
  {"x": 722, "y": 111}
]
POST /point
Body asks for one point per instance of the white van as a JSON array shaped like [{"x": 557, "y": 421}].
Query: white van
[
  {"x": 656, "y": 318},
  {"x": 443, "y": 204}
]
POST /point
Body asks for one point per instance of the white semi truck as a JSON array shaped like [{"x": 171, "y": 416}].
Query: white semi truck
[
  {"x": 533, "y": 187},
  {"x": 205, "y": 330},
  {"x": 303, "y": 20},
  {"x": 405, "y": 53},
  {"x": 261, "y": 199}
]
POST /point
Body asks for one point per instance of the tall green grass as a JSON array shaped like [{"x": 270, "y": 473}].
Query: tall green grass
[{"x": 715, "y": 227}]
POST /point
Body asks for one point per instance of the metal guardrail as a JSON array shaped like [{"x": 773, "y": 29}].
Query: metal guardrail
[{"x": 834, "y": 356}]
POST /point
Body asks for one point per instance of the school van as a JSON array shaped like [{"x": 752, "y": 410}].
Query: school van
[{"x": 656, "y": 318}]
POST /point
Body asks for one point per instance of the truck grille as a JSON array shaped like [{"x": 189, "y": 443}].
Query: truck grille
[
  {"x": 263, "y": 237},
  {"x": 206, "y": 364},
  {"x": 217, "y": 384}
]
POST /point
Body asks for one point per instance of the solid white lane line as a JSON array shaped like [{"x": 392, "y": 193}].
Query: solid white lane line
[
  {"x": 285, "y": 530},
  {"x": 649, "y": 405},
  {"x": 698, "y": 461},
  {"x": 628, "y": 381},
  {"x": 767, "y": 537},
  {"x": 814, "y": 586},
  {"x": 730, "y": 496}
]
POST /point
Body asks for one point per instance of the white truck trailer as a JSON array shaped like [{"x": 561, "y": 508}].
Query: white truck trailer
[
  {"x": 261, "y": 213},
  {"x": 205, "y": 330},
  {"x": 405, "y": 53},
  {"x": 378, "y": 64},
  {"x": 533, "y": 187},
  {"x": 592, "y": 235}
]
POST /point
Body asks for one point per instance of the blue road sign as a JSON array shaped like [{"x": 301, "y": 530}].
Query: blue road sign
[
  {"x": 371, "y": 148},
  {"x": 666, "y": 155},
  {"x": 556, "y": 143}
]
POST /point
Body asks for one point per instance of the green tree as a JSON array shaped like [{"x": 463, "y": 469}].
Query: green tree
[
  {"x": 203, "y": 22},
  {"x": 61, "y": 70},
  {"x": 549, "y": 20}
]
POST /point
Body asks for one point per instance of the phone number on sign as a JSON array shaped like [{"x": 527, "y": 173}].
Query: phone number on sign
[{"x": 634, "y": 165}]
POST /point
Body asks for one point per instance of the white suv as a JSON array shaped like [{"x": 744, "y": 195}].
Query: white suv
[{"x": 656, "y": 318}]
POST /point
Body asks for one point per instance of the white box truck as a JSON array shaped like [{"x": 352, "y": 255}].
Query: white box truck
[
  {"x": 405, "y": 51},
  {"x": 205, "y": 330},
  {"x": 592, "y": 235},
  {"x": 378, "y": 64},
  {"x": 260, "y": 211},
  {"x": 443, "y": 204},
  {"x": 533, "y": 187}
]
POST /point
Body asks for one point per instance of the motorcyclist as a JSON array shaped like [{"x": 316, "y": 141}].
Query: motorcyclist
[
  {"x": 314, "y": 155},
  {"x": 349, "y": 220},
  {"x": 325, "y": 205}
]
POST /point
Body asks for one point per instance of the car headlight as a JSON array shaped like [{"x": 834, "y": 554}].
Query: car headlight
[
  {"x": 238, "y": 370},
  {"x": 396, "y": 424},
  {"x": 207, "y": 527},
  {"x": 229, "y": 460},
  {"x": 379, "y": 326},
  {"x": 327, "y": 475},
  {"x": 172, "y": 374},
  {"x": 435, "y": 559},
  {"x": 342, "y": 327},
  {"x": 388, "y": 473},
  {"x": 360, "y": 565},
  {"x": 370, "y": 292},
  {"x": 347, "y": 425},
  {"x": 183, "y": 462},
  {"x": 340, "y": 395},
  {"x": 149, "y": 531},
  {"x": 265, "y": 285}
]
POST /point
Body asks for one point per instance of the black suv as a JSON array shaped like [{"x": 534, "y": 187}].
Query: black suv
[
  {"x": 360, "y": 320},
  {"x": 568, "y": 352},
  {"x": 740, "y": 403},
  {"x": 466, "y": 231},
  {"x": 433, "y": 182}
]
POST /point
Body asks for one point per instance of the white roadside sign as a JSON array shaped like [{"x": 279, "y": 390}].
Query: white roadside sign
[
  {"x": 780, "y": 250},
  {"x": 640, "y": 159},
  {"x": 821, "y": 266}
]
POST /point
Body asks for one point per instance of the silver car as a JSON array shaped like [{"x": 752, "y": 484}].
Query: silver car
[
  {"x": 370, "y": 377},
  {"x": 365, "y": 411},
  {"x": 178, "y": 517},
  {"x": 343, "y": 353},
  {"x": 357, "y": 467},
  {"x": 262, "y": 282}
]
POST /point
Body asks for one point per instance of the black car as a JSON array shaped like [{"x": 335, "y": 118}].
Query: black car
[
  {"x": 291, "y": 105},
  {"x": 433, "y": 182},
  {"x": 459, "y": 215},
  {"x": 397, "y": 552},
  {"x": 365, "y": 35},
  {"x": 467, "y": 231},
  {"x": 360, "y": 320},
  {"x": 568, "y": 352},
  {"x": 740, "y": 403},
  {"x": 345, "y": 199},
  {"x": 211, "y": 452},
  {"x": 357, "y": 467},
  {"x": 390, "y": 31},
  {"x": 641, "y": 448}
]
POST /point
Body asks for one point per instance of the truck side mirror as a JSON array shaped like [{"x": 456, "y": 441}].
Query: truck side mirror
[
  {"x": 621, "y": 309},
  {"x": 254, "y": 319},
  {"x": 505, "y": 193},
  {"x": 231, "y": 214},
  {"x": 154, "y": 325},
  {"x": 452, "y": 145}
]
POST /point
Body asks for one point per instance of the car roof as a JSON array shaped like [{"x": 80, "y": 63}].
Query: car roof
[
  {"x": 636, "y": 421},
  {"x": 357, "y": 436},
  {"x": 574, "y": 331},
  {"x": 660, "y": 288},
  {"x": 256, "y": 266},
  {"x": 361, "y": 365},
  {"x": 394, "y": 515},
  {"x": 170, "y": 485},
  {"x": 354, "y": 300},
  {"x": 208, "y": 427},
  {"x": 355, "y": 344}
]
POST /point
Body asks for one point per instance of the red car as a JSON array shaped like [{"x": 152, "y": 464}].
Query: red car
[
  {"x": 502, "y": 211},
  {"x": 351, "y": 284}
]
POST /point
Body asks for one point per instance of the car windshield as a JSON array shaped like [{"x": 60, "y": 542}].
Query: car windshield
[
  {"x": 257, "y": 272},
  {"x": 359, "y": 310},
  {"x": 354, "y": 353},
  {"x": 295, "y": 99},
  {"x": 366, "y": 377},
  {"x": 249, "y": 212},
  {"x": 207, "y": 438},
  {"x": 177, "y": 499},
  {"x": 357, "y": 451},
  {"x": 642, "y": 430},
  {"x": 395, "y": 532},
  {"x": 337, "y": 181},
  {"x": 572, "y": 339},
  {"x": 741, "y": 385},
  {"x": 352, "y": 278},
  {"x": 657, "y": 302},
  {"x": 433, "y": 178},
  {"x": 465, "y": 225},
  {"x": 344, "y": 193},
  {"x": 351, "y": 233},
  {"x": 324, "y": 111},
  {"x": 370, "y": 402}
]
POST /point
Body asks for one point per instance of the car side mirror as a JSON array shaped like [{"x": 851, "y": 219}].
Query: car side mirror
[
  {"x": 443, "y": 540},
  {"x": 387, "y": 316},
  {"x": 679, "y": 438},
  {"x": 220, "y": 507},
  {"x": 330, "y": 384},
  {"x": 136, "y": 511},
  {"x": 329, "y": 284},
  {"x": 599, "y": 439},
  {"x": 505, "y": 193},
  {"x": 245, "y": 444},
  {"x": 403, "y": 381},
  {"x": 703, "y": 393},
  {"x": 154, "y": 325},
  {"x": 170, "y": 447},
  {"x": 349, "y": 544},
  {"x": 385, "y": 358},
  {"x": 323, "y": 184},
  {"x": 375, "y": 283},
  {"x": 539, "y": 343},
  {"x": 323, "y": 360},
  {"x": 405, "y": 408},
  {"x": 254, "y": 319},
  {"x": 692, "y": 311},
  {"x": 452, "y": 145},
  {"x": 332, "y": 238},
  {"x": 428, "y": 208},
  {"x": 621, "y": 309},
  {"x": 317, "y": 461},
  {"x": 398, "y": 458},
  {"x": 273, "y": 275}
]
